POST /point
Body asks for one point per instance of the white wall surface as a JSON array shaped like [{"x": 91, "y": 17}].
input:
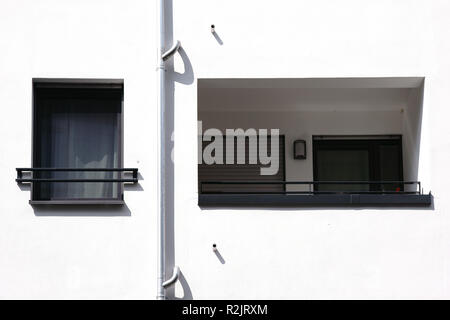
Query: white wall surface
[
  {"x": 70, "y": 252},
  {"x": 345, "y": 253}
]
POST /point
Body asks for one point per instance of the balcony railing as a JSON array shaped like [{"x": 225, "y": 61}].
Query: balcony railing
[
  {"x": 21, "y": 179},
  {"x": 375, "y": 193}
]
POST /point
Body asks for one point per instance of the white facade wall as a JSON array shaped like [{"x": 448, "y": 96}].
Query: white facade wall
[{"x": 297, "y": 253}]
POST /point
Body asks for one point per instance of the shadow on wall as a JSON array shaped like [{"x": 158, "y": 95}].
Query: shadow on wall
[
  {"x": 218, "y": 39},
  {"x": 186, "y": 78},
  {"x": 219, "y": 256},
  {"x": 187, "y": 293},
  {"x": 85, "y": 210},
  {"x": 81, "y": 210}
]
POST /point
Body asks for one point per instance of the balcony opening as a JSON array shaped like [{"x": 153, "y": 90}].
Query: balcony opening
[{"x": 361, "y": 140}]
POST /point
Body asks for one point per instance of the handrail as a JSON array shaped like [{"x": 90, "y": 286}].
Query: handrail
[
  {"x": 309, "y": 182},
  {"x": 20, "y": 172}
]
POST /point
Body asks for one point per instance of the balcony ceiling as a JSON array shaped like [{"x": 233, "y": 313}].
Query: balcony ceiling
[{"x": 311, "y": 83}]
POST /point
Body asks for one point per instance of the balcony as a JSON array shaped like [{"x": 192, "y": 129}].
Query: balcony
[{"x": 341, "y": 142}]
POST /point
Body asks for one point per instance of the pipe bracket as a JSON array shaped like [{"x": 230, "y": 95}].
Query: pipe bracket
[
  {"x": 173, "y": 278},
  {"x": 169, "y": 53}
]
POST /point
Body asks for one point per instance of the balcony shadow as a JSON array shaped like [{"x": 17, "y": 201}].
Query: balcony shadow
[
  {"x": 24, "y": 186},
  {"x": 81, "y": 210},
  {"x": 134, "y": 186}
]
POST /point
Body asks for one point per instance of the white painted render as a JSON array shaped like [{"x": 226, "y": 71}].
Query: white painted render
[{"x": 108, "y": 253}]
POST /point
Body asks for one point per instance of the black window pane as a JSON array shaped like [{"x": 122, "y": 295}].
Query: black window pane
[
  {"x": 343, "y": 165},
  {"x": 389, "y": 157}
]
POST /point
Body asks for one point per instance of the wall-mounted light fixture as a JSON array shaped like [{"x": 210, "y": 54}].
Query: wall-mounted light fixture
[{"x": 299, "y": 149}]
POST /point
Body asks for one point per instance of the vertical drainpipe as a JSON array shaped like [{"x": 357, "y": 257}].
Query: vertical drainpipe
[
  {"x": 162, "y": 160},
  {"x": 161, "y": 295}
]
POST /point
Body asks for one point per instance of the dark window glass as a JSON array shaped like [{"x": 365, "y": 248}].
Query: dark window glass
[
  {"x": 390, "y": 166},
  {"x": 343, "y": 165},
  {"x": 77, "y": 127},
  {"x": 358, "y": 160}
]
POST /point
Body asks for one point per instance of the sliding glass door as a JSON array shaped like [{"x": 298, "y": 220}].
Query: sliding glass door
[{"x": 354, "y": 159}]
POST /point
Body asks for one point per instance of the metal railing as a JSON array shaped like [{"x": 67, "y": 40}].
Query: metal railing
[
  {"x": 21, "y": 179},
  {"x": 311, "y": 187}
]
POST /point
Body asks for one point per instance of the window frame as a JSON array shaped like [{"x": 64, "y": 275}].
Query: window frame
[{"x": 57, "y": 83}]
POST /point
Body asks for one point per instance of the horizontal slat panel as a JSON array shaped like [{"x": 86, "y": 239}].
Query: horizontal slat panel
[{"x": 241, "y": 172}]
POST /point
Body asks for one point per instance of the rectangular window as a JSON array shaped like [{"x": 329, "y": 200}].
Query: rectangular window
[
  {"x": 77, "y": 126},
  {"x": 348, "y": 160}
]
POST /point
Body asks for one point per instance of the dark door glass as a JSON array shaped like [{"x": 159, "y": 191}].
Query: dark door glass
[
  {"x": 349, "y": 160},
  {"x": 343, "y": 165}
]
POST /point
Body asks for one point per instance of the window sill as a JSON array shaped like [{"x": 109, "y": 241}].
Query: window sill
[
  {"x": 324, "y": 200},
  {"x": 77, "y": 202}
]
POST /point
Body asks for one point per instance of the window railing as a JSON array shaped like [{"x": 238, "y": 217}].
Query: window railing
[
  {"x": 310, "y": 186},
  {"x": 21, "y": 179}
]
